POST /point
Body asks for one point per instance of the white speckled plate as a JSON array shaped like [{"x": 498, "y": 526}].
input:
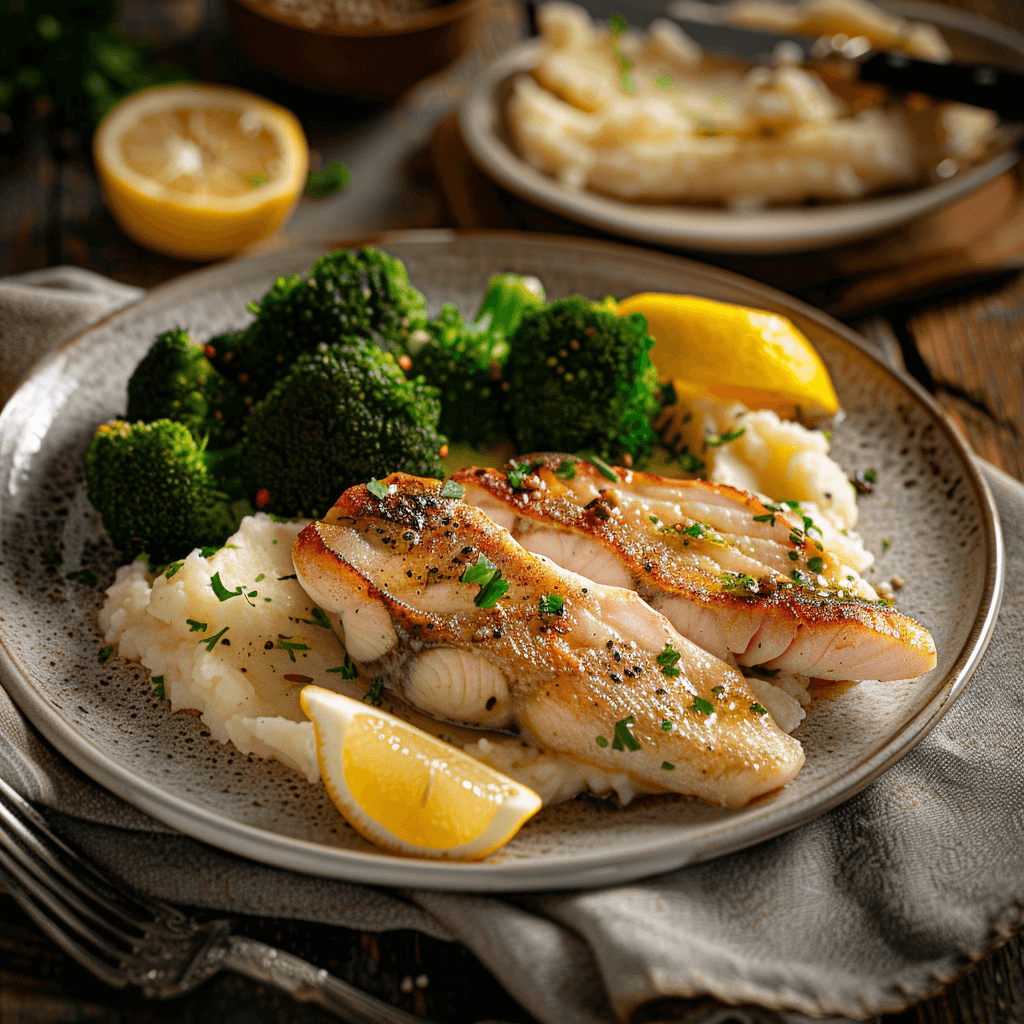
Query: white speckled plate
[
  {"x": 931, "y": 501},
  {"x": 774, "y": 230}
]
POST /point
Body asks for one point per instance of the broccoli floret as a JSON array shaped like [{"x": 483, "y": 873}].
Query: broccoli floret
[
  {"x": 363, "y": 294},
  {"x": 342, "y": 415},
  {"x": 151, "y": 485},
  {"x": 580, "y": 378},
  {"x": 174, "y": 381},
  {"x": 465, "y": 361}
]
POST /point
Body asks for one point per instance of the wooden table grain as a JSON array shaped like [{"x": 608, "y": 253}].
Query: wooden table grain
[{"x": 966, "y": 347}]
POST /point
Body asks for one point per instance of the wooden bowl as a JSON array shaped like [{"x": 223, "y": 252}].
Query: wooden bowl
[{"x": 377, "y": 62}]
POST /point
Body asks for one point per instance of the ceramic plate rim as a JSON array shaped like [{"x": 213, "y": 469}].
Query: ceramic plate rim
[
  {"x": 563, "y": 871},
  {"x": 777, "y": 230}
]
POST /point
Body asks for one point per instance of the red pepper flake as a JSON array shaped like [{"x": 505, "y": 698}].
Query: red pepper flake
[
  {"x": 262, "y": 498},
  {"x": 299, "y": 679},
  {"x": 210, "y": 351},
  {"x": 405, "y": 362}
]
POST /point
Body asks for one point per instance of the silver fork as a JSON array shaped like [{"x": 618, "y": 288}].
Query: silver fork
[{"x": 126, "y": 938}]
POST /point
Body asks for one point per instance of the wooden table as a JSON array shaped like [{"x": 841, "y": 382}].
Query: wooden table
[{"x": 966, "y": 347}]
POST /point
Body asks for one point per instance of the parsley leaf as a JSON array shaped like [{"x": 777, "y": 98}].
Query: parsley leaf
[
  {"x": 157, "y": 684},
  {"x": 552, "y": 604},
  {"x": 601, "y": 741},
  {"x": 211, "y": 641},
  {"x": 758, "y": 709},
  {"x": 106, "y": 652},
  {"x": 666, "y": 725},
  {"x": 519, "y": 471},
  {"x": 373, "y": 694},
  {"x": 815, "y": 564},
  {"x": 452, "y": 489},
  {"x": 624, "y": 739},
  {"x": 566, "y": 470},
  {"x": 768, "y": 517},
  {"x": 319, "y": 619},
  {"x": 328, "y": 180},
  {"x": 705, "y": 707},
  {"x": 286, "y": 643},
  {"x": 601, "y": 466},
  {"x": 346, "y": 669},
  {"x": 196, "y": 627},
  {"x": 667, "y": 765},
  {"x": 492, "y": 586},
  {"x": 172, "y": 570},
  {"x": 738, "y": 581},
  {"x": 377, "y": 489},
  {"x": 667, "y": 661},
  {"x": 222, "y": 592},
  {"x": 716, "y": 440}
]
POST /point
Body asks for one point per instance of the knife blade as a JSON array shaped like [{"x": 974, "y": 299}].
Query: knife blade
[{"x": 981, "y": 85}]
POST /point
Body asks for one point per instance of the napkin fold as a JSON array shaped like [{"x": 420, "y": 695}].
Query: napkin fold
[{"x": 862, "y": 911}]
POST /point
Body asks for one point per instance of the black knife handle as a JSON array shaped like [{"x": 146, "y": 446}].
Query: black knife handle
[{"x": 993, "y": 88}]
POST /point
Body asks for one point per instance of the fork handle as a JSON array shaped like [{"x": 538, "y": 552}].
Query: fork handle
[{"x": 307, "y": 983}]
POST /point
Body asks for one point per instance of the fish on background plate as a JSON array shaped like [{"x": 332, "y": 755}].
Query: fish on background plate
[
  {"x": 736, "y": 575},
  {"x": 429, "y": 594}
]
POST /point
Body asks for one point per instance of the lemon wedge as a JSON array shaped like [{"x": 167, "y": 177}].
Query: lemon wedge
[
  {"x": 734, "y": 353},
  {"x": 198, "y": 172},
  {"x": 408, "y": 791}
]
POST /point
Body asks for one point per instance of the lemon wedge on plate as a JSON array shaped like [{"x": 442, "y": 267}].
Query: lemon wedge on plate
[
  {"x": 198, "y": 172},
  {"x": 735, "y": 353},
  {"x": 408, "y": 791}
]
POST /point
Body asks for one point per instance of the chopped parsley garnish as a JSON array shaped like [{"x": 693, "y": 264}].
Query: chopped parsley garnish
[
  {"x": 870, "y": 475},
  {"x": 519, "y": 471},
  {"x": 223, "y": 594},
  {"x": 327, "y": 180},
  {"x": 663, "y": 82},
  {"x": 452, "y": 489},
  {"x": 373, "y": 694},
  {"x": 488, "y": 576},
  {"x": 106, "y": 652},
  {"x": 688, "y": 462},
  {"x": 256, "y": 179},
  {"x": 172, "y": 570},
  {"x": 624, "y": 739},
  {"x": 768, "y": 517},
  {"x": 667, "y": 766},
  {"x": 828, "y": 435},
  {"x": 653, "y": 519},
  {"x": 791, "y": 503},
  {"x": 196, "y": 627},
  {"x": 211, "y": 641},
  {"x": 601, "y": 741},
  {"x": 552, "y": 604},
  {"x": 157, "y": 685},
  {"x": 705, "y": 707},
  {"x": 86, "y": 576},
  {"x": 718, "y": 690},
  {"x": 346, "y": 669},
  {"x": 758, "y": 709},
  {"x": 815, "y": 564},
  {"x": 668, "y": 661},
  {"x": 209, "y": 552},
  {"x": 601, "y": 466},
  {"x": 798, "y": 577},
  {"x": 377, "y": 489},
  {"x": 733, "y": 581},
  {"x": 319, "y": 619},
  {"x": 794, "y": 555},
  {"x": 694, "y": 530},
  {"x": 715, "y": 440},
  {"x": 259, "y": 579},
  {"x": 885, "y": 543},
  {"x": 618, "y": 25},
  {"x": 666, "y": 725},
  {"x": 566, "y": 470},
  {"x": 286, "y": 643}
]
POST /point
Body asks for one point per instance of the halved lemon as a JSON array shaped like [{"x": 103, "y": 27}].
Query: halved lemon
[
  {"x": 735, "y": 353},
  {"x": 199, "y": 172},
  {"x": 408, "y": 791}
]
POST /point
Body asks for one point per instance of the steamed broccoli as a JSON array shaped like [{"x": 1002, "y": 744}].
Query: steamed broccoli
[
  {"x": 465, "y": 361},
  {"x": 343, "y": 414},
  {"x": 580, "y": 377},
  {"x": 363, "y": 294},
  {"x": 152, "y": 487},
  {"x": 176, "y": 381}
]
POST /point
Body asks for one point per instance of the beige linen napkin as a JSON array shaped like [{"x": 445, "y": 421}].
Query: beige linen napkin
[{"x": 863, "y": 911}]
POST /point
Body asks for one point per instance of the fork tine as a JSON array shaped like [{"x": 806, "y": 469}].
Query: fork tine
[
  {"x": 56, "y": 908},
  {"x": 31, "y": 828}
]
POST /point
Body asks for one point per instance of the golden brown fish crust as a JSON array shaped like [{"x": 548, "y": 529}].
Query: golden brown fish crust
[
  {"x": 734, "y": 574},
  {"x": 597, "y": 679}
]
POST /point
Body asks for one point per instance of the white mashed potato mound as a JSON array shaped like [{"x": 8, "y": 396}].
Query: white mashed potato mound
[{"x": 782, "y": 461}]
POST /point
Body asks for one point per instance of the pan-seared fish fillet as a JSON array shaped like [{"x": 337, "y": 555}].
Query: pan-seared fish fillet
[
  {"x": 733, "y": 574},
  {"x": 581, "y": 669}
]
